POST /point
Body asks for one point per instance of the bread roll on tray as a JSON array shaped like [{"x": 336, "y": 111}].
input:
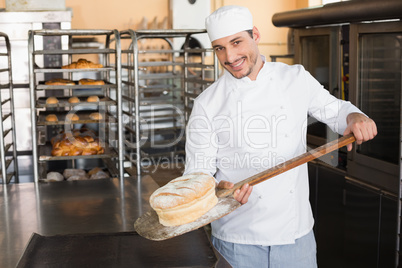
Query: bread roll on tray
[{"x": 82, "y": 64}]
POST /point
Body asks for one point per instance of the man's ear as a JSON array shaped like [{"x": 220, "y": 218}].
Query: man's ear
[{"x": 256, "y": 35}]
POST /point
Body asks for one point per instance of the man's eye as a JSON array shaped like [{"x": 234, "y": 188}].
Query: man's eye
[
  {"x": 218, "y": 49},
  {"x": 236, "y": 42}
]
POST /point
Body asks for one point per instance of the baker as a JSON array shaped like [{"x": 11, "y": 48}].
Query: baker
[{"x": 252, "y": 118}]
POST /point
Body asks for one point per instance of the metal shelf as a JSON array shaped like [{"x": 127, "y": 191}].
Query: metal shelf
[
  {"x": 74, "y": 51},
  {"x": 159, "y": 97},
  {"x": 109, "y": 105},
  {"x": 59, "y": 70},
  {"x": 8, "y": 151},
  {"x": 45, "y": 154},
  {"x": 76, "y": 86}
]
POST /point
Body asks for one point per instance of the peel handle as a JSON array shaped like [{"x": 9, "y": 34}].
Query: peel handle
[{"x": 292, "y": 163}]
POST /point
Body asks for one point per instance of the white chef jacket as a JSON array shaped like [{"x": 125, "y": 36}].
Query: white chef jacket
[{"x": 240, "y": 127}]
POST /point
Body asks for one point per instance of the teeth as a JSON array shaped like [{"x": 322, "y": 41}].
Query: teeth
[{"x": 237, "y": 65}]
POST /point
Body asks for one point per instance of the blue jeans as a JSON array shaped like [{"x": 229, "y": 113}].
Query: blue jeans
[{"x": 301, "y": 254}]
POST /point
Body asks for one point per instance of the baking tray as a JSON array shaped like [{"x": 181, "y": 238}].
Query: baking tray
[
  {"x": 63, "y": 102},
  {"x": 42, "y": 86},
  {"x": 45, "y": 153},
  {"x": 83, "y": 118}
]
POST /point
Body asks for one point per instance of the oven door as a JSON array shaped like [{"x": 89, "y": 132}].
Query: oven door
[{"x": 376, "y": 70}]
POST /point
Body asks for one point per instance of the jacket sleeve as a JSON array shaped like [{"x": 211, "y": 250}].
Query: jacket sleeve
[
  {"x": 327, "y": 108},
  {"x": 201, "y": 154}
]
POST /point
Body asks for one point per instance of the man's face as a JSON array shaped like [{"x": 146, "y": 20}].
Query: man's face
[{"x": 239, "y": 54}]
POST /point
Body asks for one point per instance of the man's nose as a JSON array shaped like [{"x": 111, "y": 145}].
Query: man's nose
[{"x": 230, "y": 55}]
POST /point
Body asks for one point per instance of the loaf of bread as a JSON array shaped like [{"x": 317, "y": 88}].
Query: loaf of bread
[
  {"x": 77, "y": 178},
  {"x": 82, "y": 64},
  {"x": 72, "y": 117},
  {"x": 95, "y": 116},
  {"x": 99, "y": 175},
  {"x": 76, "y": 143},
  {"x": 60, "y": 82},
  {"x": 73, "y": 100},
  {"x": 87, "y": 81},
  {"x": 94, "y": 171},
  {"x": 89, "y": 151},
  {"x": 69, "y": 172},
  {"x": 54, "y": 176},
  {"x": 184, "y": 199},
  {"x": 93, "y": 99},
  {"x": 51, "y": 118},
  {"x": 52, "y": 100}
]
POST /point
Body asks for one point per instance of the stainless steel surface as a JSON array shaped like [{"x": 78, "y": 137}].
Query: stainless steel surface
[
  {"x": 109, "y": 131},
  {"x": 8, "y": 151},
  {"x": 95, "y": 206},
  {"x": 341, "y": 12}
]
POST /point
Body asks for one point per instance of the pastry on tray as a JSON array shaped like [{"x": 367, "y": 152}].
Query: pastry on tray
[
  {"x": 82, "y": 64},
  {"x": 93, "y": 99},
  {"x": 95, "y": 116},
  {"x": 87, "y": 81},
  {"x": 51, "y": 118},
  {"x": 60, "y": 82},
  {"x": 76, "y": 143},
  {"x": 72, "y": 117},
  {"x": 73, "y": 100},
  {"x": 52, "y": 100}
]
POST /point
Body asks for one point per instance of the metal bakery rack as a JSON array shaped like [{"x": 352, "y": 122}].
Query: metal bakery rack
[
  {"x": 108, "y": 127},
  {"x": 8, "y": 151},
  {"x": 160, "y": 80}
]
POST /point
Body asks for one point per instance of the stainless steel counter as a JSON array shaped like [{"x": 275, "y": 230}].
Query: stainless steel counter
[{"x": 93, "y": 206}]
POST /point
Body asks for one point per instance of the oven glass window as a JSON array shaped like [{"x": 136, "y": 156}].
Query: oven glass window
[
  {"x": 315, "y": 57},
  {"x": 379, "y": 91}
]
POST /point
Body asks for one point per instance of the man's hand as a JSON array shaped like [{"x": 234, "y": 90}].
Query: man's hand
[
  {"x": 362, "y": 127},
  {"x": 241, "y": 195}
]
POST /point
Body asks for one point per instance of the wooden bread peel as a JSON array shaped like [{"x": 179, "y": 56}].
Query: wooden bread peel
[{"x": 148, "y": 224}]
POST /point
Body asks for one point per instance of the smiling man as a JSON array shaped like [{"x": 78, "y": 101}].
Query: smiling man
[{"x": 253, "y": 118}]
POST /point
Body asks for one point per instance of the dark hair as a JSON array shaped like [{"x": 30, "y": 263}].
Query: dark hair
[{"x": 250, "y": 32}]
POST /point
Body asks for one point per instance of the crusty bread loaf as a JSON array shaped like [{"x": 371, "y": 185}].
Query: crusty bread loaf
[
  {"x": 184, "y": 199},
  {"x": 59, "y": 82},
  {"x": 52, "y": 100},
  {"x": 54, "y": 176},
  {"x": 74, "y": 100},
  {"x": 93, "y": 99},
  {"x": 82, "y": 64},
  {"x": 51, "y": 118},
  {"x": 72, "y": 117},
  {"x": 87, "y": 81},
  {"x": 68, "y": 172},
  {"x": 76, "y": 143},
  {"x": 95, "y": 116}
]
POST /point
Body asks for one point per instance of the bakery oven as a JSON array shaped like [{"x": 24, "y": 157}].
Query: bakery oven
[
  {"x": 322, "y": 51},
  {"x": 375, "y": 81},
  {"x": 359, "y": 43}
]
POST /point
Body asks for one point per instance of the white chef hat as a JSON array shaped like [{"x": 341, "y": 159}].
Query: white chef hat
[{"x": 228, "y": 20}]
